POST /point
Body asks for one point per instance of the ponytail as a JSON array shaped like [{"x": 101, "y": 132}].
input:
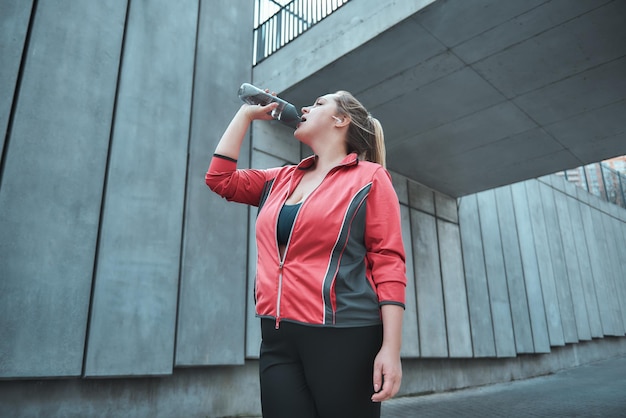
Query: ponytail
[{"x": 377, "y": 153}]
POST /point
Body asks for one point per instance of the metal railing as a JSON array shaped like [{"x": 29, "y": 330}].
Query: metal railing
[
  {"x": 278, "y": 22},
  {"x": 600, "y": 180}
]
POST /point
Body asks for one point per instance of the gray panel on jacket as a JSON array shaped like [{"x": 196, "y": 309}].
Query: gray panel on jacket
[
  {"x": 52, "y": 186},
  {"x": 212, "y": 302},
  {"x": 496, "y": 275},
  {"x": 559, "y": 270},
  {"x": 541, "y": 340},
  {"x": 15, "y": 15},
  {"x": 454, "y": 293},
  {"x": 476, "y": 278},
  {"x": 430, "y": 308},
  {"x": 572, "y": 265},
  {"x": 544, "y": 263},
  {"x": 514, "y": 271},
  {"x": 133, "y": 317}
]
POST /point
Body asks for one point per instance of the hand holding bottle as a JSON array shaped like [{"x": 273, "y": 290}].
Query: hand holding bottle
[
  {"x": 258, "y": 112},
  {"x": 284, "y": 111}
]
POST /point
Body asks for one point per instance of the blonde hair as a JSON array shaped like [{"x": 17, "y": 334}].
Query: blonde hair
[{"x": 365, "y": 133}]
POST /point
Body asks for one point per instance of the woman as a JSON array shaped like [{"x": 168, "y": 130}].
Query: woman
[{"x": 331, "y": 267}]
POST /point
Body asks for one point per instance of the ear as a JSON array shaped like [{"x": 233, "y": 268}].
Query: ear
[{"x": 341, "y": 122}]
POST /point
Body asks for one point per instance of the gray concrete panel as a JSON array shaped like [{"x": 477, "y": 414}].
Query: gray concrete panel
[
  {"x": 275, "y": 139},
  {"x": 605, "y": 285},
  {"x": 452, "y": 22},
  {"x": 421, "y": 198},
  {"x": 476, "y": 278},
  {"x": 430, "y": 305},
  {"x": 253, "y": 328},
  {"x": 620, "y": 245},
  {"x": 559, "y": 182},
  {"x": 514, "y": 271},
  {"x": 14, "y": 16},
  {"x": 616, "y": 276},
  {"x": 572, "y": 266},
  {"x": 440, "y": 65},
  {"x": 454, "y": 292},
  {"x": 410, "y": 326},
  {"x": 484, "y": 129},
  {"x": 496, "y": 275},
  {"x": 532, "y": 280},
  {"x": 559, "y": 269},
  {"x": 212, "y": 309},
  {"x": 557, "y": 53},
  {"x": 52, "y": 185},
  {"x": 603, "y": 125},
  {"x": 401, "y": 186},
  {"x": 544, "y": 263},
  {"x": 572, "y": 96},
  {"x": 437, "y": 110},
  {"x": 133, "y": 316},
  {"x": 446, "y": 207},
  {"x": 584, "y": 267},
  {"x": 537, "y": 17},
  {"x": 596, "y": 263}
]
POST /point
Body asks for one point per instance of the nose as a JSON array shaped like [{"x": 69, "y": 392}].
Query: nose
[{"x": 305, "y": 109}]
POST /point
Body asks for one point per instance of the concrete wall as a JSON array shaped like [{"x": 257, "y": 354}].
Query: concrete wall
[
  {"x": 111, "y": 247},
  {"x": 126, "y": 285}
]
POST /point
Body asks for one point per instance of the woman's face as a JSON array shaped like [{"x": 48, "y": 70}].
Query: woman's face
[{"x": 318, "y": 117}]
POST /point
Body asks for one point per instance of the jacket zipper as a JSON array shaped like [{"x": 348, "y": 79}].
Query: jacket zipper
[
  {"x": 280, "y": 290},
  {"x": 280, "y": 267}
]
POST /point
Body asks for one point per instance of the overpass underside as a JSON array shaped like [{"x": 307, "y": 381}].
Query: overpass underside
[{"x": 472, "y": 94}]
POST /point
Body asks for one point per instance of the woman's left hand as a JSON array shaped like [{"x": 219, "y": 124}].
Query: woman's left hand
[{"x": 387, "y": 374}]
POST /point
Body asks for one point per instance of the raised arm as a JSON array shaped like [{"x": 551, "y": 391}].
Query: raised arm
[
  {"x": 230, "y": 143},
  {"x": 243, "y": 186}
]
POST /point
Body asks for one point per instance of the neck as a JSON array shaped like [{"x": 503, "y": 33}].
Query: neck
[{"x": 328, "y": 159}]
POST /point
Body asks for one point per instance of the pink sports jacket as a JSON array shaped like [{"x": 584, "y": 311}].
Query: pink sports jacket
[{"x": 344, "y": 257}]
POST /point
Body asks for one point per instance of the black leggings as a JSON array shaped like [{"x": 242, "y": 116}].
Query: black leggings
[{"x": 318, "y": 372}]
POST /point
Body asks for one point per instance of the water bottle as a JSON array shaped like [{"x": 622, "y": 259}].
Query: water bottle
[{"x": 285, "y": 112}]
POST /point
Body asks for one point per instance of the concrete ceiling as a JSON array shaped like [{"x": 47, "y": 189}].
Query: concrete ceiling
[{"x": 477, "y": 94}]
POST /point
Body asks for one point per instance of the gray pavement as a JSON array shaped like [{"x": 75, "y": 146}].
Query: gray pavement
[{"x": 593, "y": 390}]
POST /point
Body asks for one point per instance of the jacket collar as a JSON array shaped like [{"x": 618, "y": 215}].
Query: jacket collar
[{"x": 350, "y": 160}]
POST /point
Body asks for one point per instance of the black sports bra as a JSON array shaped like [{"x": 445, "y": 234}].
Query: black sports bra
[{"x": 285, "y": 222}]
